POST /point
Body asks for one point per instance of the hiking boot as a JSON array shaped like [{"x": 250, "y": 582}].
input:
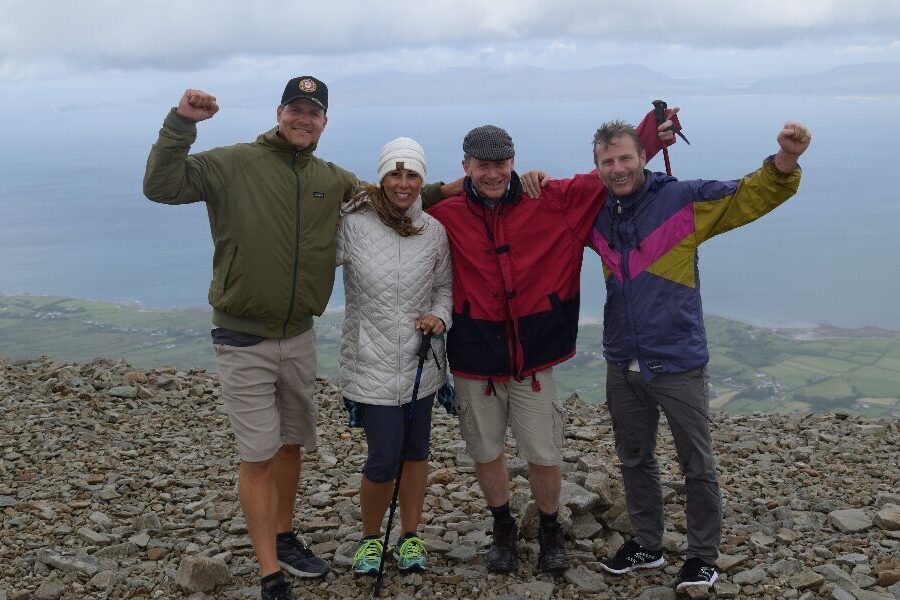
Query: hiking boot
[
  {"x": 696, "y": 572},
  {"x": 502, "y": 556},
  {"x": 277, "y": 589},
  {"x": 411, "y": 554},
  {"x": 368, "y": 556},
  {"x": 297, "y": 559},
  {"x": 632, "y": 556},
  {"x": 552, "y": 541}
]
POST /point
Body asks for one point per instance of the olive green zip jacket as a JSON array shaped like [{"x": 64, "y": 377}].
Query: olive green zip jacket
[{"x": 273, "y": 213}]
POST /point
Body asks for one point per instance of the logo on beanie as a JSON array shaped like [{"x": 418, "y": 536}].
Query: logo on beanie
[{"x": 307, "y": 86}]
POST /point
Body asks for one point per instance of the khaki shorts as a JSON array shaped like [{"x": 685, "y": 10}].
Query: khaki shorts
[
  {"x": 536, "y": 418},
  {"x": 268, "y": 392}
]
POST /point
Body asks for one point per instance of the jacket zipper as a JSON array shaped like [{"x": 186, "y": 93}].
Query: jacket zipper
[
  {"x": 399, "y": 332},
  {"x": 626, "y": 280},
  {"x": 287, "y": 319}
]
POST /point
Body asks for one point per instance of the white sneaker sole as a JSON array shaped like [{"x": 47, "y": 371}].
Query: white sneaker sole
[
  {"x": 707, "y": 584},
  {"x": 661, "y": 562},
  {"x": 299, "y": 573}
]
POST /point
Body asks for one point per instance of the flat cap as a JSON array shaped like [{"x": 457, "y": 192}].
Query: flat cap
[{"x": 488, "y": 142}]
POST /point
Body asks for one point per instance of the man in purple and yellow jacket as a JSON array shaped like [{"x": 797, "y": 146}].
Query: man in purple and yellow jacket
[{"x": 654, "y": 339}]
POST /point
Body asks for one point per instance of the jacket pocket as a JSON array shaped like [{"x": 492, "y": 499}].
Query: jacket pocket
[{"x": 222, "y": 274}]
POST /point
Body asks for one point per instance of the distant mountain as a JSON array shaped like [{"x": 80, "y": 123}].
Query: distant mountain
[
  {"x": 869, "y": 79},
  {"x": 474, "y": 85},
  {"x": 507, "y": 85}
]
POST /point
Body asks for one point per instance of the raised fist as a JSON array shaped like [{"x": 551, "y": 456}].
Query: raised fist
[
  {"x": 794, "y": 138},
  {"x": 197, "y": 106}
]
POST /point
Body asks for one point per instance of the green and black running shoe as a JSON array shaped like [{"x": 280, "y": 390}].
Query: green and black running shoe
[
  {"x": 411, "y": 554},
  {"x": 368, "y": 556}
]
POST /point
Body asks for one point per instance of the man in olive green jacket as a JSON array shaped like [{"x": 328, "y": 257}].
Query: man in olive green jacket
[{"x": 273, "y": 212}]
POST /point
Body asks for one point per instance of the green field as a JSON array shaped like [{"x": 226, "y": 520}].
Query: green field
[{"x": 761, "y": 370}]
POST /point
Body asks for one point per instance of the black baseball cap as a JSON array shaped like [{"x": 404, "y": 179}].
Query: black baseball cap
[{"x": 306, "y": 87}]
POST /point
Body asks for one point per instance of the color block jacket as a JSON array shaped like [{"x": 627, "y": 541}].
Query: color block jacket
[
  {"x": 389, "y": 282},
  {"x": 273, "y": 213},
  {"x": 648, "y": 243},
  {"x": 516, "y": 286}
]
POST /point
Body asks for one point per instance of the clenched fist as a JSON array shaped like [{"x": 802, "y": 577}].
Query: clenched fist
[
  {"x": 197, "y": 106},
  {"x": 793, "y": 140}
]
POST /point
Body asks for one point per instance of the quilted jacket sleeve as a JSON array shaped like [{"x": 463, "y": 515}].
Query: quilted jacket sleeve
[
  {"x": 342, "y": 255},
  {"x": 442, "y": 293}
]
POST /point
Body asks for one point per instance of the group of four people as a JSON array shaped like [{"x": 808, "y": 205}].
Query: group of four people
[{"x": 497, "y": 269}]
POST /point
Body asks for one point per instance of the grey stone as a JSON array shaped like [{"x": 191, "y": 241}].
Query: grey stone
[
  {"x": 103, "y": 580},
  {"x": 149, "y": 522},
  {"x": 320, "y": 500},
  {"x": 726, "y": 589},
  {"x": 585, "y": 526},
  {"x": 201, "y": 574},
  {"x": 80, "y": 564},
  {"x": 751, "y": 577},
  {"x": 657, "y": 593},
  {"x": 806, "y": 580},
  {"x": 7, "y": 501},
  {"x": 118, "y": 551},
  {"x": 852, "y": 559},
  {"x": 123, "y": 391},
  {"x": 462, "y": 554},
  {"x": 726, "y": 562},
  {"x": 585, "y": 579},
  {"x": 841, "y": 594},
  {"x": 578, "y": 499},
  {"x": 538, "y": 590},
  {"x": 888, "y": 517},
  {"x": 850, "y": 520},
  {"x": 50, "y": 590}
]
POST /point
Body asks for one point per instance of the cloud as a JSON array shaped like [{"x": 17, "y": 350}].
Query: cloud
[{"x": 185, "y": 36}]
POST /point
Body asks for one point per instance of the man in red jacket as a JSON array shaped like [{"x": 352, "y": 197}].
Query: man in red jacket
[{"x": 516, "y": 266}]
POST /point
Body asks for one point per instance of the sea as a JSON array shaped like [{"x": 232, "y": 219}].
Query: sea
[{"x": 73, "y": 221}]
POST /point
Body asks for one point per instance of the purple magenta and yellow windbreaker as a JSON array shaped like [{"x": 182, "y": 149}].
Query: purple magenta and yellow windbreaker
[{"x": 648, "y": 244}]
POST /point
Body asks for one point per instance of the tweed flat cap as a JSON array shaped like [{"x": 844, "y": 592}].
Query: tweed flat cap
[{"x": 488, "y": 142}]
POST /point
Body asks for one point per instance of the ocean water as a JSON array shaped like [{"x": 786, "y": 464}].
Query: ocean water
[{"x": 73, "y": 221}]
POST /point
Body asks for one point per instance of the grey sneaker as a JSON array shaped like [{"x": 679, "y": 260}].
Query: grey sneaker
[{"x": 297, "y": 559}]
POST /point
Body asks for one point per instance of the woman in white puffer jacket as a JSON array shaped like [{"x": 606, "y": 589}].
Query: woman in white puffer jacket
[{"x": 397, "y": 282}]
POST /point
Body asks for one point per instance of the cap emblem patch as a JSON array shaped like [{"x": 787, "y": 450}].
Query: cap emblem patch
[{"x": 307, "y": 86}]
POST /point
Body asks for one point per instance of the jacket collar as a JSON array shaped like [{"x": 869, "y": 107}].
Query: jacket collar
[
  {"x": 270, "y": 139},
  {"x": 511, "y": 197},
  {"x": 652, "y": 183}
]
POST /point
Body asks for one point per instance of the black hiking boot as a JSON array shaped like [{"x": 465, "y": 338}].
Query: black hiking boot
[
  {"x": 296, "y": 558},
  {"x": 552, "y": 541},
  {"x": 502, "y": 556}
]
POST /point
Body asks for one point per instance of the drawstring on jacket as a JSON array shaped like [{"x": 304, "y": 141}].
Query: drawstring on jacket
[
  {"x": 489, "y": 389},
  {"x": 535, "y": 384}
]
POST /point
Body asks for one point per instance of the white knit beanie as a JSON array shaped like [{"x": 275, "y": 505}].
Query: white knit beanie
[{"x": 401, "y": 150}]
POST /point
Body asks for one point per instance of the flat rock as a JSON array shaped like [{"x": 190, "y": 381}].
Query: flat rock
[
  {"x": 50, "y": 590},
  {"x": 888, "y": 517},
  {"x": 584, "y": 579},
  {"x": 806, "y": 580},
  {"x": 87, "y": 565},
  {"x": 538, "y": 590},
  {"x": 462, "y": 554},
  {"x": 123, "y": 391},
  {"x": 750, "y": 577},
  {"x": 657, "y": 592},
  {"x": 850, "y": 520}
]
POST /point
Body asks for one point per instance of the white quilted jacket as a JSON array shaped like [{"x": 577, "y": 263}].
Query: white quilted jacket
[{"x": 389, "y": 282}]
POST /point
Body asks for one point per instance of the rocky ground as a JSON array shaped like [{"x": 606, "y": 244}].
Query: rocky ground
[{"x": 116, "y": 483}]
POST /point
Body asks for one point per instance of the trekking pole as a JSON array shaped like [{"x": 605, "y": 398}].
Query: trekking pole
[
  {"x": 424, "y": 347},
  {"x": 659, "y": 113}
]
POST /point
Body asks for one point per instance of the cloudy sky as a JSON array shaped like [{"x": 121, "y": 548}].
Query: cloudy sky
[{"x": 105, "y": 39}]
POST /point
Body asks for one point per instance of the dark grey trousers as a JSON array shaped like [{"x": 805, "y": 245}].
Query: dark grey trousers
[{"x": 634, "y": 405}]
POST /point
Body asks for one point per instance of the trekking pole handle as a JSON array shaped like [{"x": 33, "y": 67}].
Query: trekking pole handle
[
  {"x": 659, "y": 111},
  {"x": 424, "y": 346}
]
